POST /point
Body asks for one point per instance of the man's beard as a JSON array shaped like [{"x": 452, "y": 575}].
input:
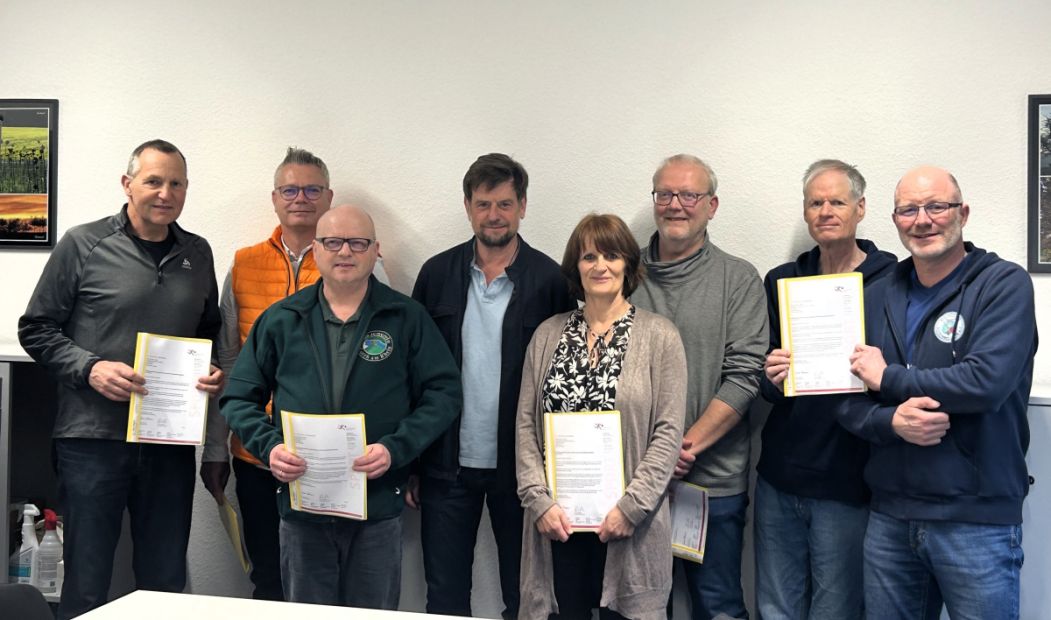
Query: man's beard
[{"x": 496, "y": 242}]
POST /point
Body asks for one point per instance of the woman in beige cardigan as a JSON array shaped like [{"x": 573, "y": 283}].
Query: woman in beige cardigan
[{"x": 607, "y": 355}]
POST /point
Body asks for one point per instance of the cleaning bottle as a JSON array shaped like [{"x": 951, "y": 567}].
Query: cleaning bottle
[
  {"x": 22, "y": 568},
  {"x": 48, "y": 555}
]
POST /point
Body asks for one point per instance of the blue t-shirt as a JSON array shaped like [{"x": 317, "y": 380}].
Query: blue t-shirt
[{"x": 920, "y": 300}]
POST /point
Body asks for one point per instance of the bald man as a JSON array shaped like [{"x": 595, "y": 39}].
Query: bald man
[
  {"x": 952, "y": 336},
  {"x": 347, "y": 344}
]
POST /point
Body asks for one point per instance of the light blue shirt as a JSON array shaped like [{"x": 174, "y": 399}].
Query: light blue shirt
[{"x": 481, "y": 337}]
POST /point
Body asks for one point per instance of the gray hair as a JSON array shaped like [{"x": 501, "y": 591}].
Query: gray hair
[
  {"x": 683, "y": 158},
  {"x": 157, "y": 145},
  {"x": 301, "y": 157},
  {"x": 821, "y": 166}
]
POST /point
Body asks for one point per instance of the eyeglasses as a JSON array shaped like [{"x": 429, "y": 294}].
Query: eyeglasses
[
  {"x": 686, "y": 199},
  {"x": 335, "y": 244},
  {"x": 290, "y": 192},
  {"x": 933, "y": 209}
]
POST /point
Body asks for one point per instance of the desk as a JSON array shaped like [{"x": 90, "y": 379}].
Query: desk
[{"x": 167, "y": 606}]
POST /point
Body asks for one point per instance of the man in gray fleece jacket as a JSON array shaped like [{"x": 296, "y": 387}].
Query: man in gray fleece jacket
[{"x": 717, "y": 302}]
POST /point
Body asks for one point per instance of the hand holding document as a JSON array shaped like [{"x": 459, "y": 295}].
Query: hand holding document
[
  {"x": 689, "y": 520},
  {"x": 329, "y": 444},
  {"x": 822, "y": 318},
  {"x": 173, "y": 410},
  {"x": 585, "y": 464}
]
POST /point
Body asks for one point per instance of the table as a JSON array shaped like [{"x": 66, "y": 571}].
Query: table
[{"x": 168, "y": 606}]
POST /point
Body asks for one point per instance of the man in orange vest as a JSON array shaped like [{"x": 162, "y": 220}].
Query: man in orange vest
[{"x": 262, "y": 274}]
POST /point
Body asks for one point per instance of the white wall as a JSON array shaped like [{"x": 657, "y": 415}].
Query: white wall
[{"x": 399, "y": 97}]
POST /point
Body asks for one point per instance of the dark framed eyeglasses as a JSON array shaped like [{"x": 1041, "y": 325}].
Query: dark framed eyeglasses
[
  {"x": 686, "y": 199},
  {"x": 933, "y": 209},
  {"x": 335, "y": 244},
  {"x": 311, "y": 192}
]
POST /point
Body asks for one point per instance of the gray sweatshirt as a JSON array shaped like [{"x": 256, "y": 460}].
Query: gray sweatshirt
[{"x": 717, "y": 302}]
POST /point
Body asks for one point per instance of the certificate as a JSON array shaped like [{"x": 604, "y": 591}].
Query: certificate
[
  {"x": 584, "y": 463},
  {"x": 822, "y": 318},
  {"x": 174, "y": 411},
  {"x": 689, "y": 520},
  {"x": 329, "y": 443}
]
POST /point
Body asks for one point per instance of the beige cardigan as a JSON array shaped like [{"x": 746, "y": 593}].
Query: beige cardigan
[{"x": 651, "y": 396}]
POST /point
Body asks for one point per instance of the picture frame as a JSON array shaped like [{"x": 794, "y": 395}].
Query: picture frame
[
  {"x": 1039, "y": 233},
  {"x": 28, "y": 167}
]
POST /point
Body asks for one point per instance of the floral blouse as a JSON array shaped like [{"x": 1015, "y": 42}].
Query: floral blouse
[{"x": 572, "y": 383}]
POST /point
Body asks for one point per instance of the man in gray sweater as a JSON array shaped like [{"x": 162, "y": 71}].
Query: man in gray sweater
[{"x": 717, "y": 302}]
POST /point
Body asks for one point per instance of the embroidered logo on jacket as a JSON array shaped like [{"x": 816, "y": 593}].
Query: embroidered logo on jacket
[
  {"x": 186, "y": 263},
  {"x": 946, "y": 324},
  {"x": 376, "y": 347}
]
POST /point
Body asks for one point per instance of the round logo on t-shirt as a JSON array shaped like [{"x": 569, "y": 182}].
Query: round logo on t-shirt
[{"x": 945, "y": 326}]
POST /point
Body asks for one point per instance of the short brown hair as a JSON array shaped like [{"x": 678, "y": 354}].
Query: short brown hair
[
  {"x": 491, "y": 170},
  {"x": 608, "y": 233}
]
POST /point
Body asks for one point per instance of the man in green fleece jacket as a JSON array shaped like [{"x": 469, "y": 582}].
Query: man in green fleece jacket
[
  {"x": 348, "y": 344},
  {"x": 717, "y": 302}
]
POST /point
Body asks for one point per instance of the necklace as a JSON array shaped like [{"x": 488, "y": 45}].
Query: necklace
[{"x": 597, "y": 349}]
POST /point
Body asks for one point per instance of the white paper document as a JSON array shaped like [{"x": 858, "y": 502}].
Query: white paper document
[
  {"x": 584, "y": 462},
  {"x": 174, "y": 411},
  {"x": 329, "y": 443},
  {"x": 689, "y": 520},
  {"x": 822, "y": 318}
]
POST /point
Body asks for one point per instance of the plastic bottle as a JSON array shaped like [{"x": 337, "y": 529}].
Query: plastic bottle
[
  {"x": 48, "y": 555},
  {"x": 22, "y": 568}
]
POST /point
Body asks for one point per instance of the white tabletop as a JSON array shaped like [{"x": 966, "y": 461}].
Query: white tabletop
[
  {"x": 10, "y": 351},
  {"x": 167, "y": 606}
]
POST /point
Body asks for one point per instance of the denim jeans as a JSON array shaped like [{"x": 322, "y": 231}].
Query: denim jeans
[
  {"x": 912, "y": 567},
  {"x": 715, "y": 585},
  {"x": 97, "y": 479},
  {"x": 808, "y": 556},
  {"x": 342, "y": 562},
  {"x": 450, "y": 512},
  {"x": 257, "y": 498}
]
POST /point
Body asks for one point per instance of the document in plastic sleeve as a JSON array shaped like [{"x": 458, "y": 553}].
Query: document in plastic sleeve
[
  {"x": 329, "y": 443},
  {"x": 689, "y": 520},
  {"x": 174, "y": 410},
  {"x": 584, "y": 462},
  {"x": 822, "y": 318}
]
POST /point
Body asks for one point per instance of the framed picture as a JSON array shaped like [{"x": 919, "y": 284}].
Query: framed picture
[
  {"x": 1040, "y": 183},
  {"x": 28, "y": 150}
]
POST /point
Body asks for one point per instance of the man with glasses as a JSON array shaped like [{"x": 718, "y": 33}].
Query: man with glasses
[
  {"x": 952, "y": 336},
  {"x": 260, "y": 275},
  {"x": 811, "y": 502},
  {"x": 487, "y": 295},
  {"x": 717, "y": 302},
  {"x": 347, "y": 344}
]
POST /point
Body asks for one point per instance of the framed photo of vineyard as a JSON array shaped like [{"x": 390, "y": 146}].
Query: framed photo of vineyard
[
  {"x": 1039, "y": 183},
  {"x": 28, "y": 150}
]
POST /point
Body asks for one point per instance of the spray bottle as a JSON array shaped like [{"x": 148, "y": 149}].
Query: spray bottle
[
  {"x": 48, "y": 555},
  {"x": 22, "y": 568}
]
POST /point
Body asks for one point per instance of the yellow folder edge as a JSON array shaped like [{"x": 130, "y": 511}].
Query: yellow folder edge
[
  {"x": 689, "y": 553},
  {"x": 228, "y": 517},
  {"x": 294, "y": 495},
  {"x": 784, "y": 312},
  {"x": 549, "y": 449}
]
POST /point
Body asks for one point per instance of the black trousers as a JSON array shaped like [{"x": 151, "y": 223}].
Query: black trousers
[
  {"x": 578, "y": 565},
  {"x": 450, "y": 512},
  {"x": 256, "y": 495}
]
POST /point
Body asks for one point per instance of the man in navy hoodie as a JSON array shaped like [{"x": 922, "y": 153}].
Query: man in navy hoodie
[
  {"x": 811, "y": 503},
  {"x": 953, "y": 333}
]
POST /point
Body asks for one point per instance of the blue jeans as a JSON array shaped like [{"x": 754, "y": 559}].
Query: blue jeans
[
  {"x": 97, "y": 479},
  {"x": 808, "y": 556},
  {"x": 450, "y": 512},
  {"x": 715, "y": 586},
  {"x": 342, "y": 562},
  {"x": 912, "y": 567}
]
